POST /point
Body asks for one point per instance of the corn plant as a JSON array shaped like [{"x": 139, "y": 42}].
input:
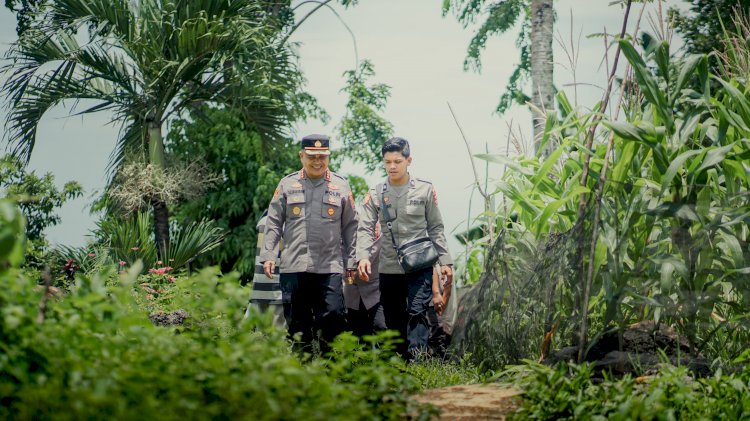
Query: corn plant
[{"x": 672, "y": 244}]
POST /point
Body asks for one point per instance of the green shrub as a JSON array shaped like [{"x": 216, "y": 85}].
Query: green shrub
[
  {"x": 97, "y": 355},
  {"x": 569, "y": 392},
  {"x": 93, "y": 353}
]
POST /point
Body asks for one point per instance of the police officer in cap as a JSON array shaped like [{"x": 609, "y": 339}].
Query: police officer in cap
[{"x": 312, "y": 211}]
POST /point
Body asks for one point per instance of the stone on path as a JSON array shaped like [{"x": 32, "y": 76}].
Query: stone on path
[{"x": 473, "y": 402}]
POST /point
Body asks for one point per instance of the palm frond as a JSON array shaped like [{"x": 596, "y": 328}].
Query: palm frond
[
  {"x": 130, "y": 142},
  {"x": 101, "y": 17}
]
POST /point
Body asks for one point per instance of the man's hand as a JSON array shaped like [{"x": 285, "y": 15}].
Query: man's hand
[
  {"x": 438, "y": 302},
  {"x": 350, "y": 274},
  {"x": 447, "y": 271},
  {"x": 268, "y": 268},
  {"x": 365, "y": 269}
]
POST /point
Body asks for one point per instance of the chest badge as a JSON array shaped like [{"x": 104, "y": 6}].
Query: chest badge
[
  {"x": 333, "y": 186},
  {"x": 296, "y": 186},
  {"x": 296, "y": 210},
  {"x": 330, "y": 211},
  {"x": 332, "y": 200}
]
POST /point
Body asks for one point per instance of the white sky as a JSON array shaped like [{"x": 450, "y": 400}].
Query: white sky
[{"x": 414, "y": 50}]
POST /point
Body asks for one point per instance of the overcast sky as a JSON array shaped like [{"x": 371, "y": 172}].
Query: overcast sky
[{"x": 414, "y": 50}]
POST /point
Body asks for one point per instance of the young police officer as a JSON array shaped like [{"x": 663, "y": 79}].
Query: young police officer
[
  {"x": 406, "y": 297},
  {"x": 312, "y": 210}
]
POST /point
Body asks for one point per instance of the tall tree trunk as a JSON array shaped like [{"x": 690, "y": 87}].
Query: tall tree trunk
[
  {"x": 542, "y": 84},
  {"x": 161, "y": 212}
]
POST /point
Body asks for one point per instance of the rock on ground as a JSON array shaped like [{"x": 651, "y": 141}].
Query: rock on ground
[{"x": 172, "y": 318}]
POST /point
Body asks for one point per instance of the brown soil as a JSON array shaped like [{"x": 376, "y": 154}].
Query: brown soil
[{"x": 473, "y": 402}]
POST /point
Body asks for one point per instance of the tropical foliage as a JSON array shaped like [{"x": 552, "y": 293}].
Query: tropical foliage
[
  {"x": 363, "y": 130},
  {"x": 145, "y": 62},
  {"x": 672, "y": 243},
  {"x": 94, "y": 351},
  {"x": 39, "y": 199},
  {"x": 501, "y": 17},
  {"x": 249, "y": 172},
  {"x": 705, "y": 21},
  {"x": 671, "y": 394}
]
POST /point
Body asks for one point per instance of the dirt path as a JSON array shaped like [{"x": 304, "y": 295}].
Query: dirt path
[{"x": 473, "y": 402}]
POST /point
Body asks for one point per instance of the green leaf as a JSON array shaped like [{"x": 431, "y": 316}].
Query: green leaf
[
  {"x": 620, "y": 171},
  {"x": 562, "y": 99},
  {"x": 715, "y": 156},
  {"x": 661, "y": 56},
  {"x": 543, "y": 171},
  {"x": 553, "y": 207},
  {"x": 509, "y": 162},
  {"x": 677, "y": 163},
  {"x": 629, "y": 131},
  {"x": 648, "y": 84},
  {"x": 738, "y": 98},
  {"x": 687, "y": 70}
]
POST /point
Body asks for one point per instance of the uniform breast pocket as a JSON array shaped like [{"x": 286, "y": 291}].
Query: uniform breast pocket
[
  {"x": 415, "y": 210},
  {"x": 295, "y": 207},
  {"x": 331, "y": 207}
]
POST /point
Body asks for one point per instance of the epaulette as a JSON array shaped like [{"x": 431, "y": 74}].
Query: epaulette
[
  {"x": 423, "y": 180},
  {"x": 338, "y": 176},
  {"x": 293, "y": 174}
]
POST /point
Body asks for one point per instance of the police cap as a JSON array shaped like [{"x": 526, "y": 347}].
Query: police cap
[{"x": 316, "y": 144}]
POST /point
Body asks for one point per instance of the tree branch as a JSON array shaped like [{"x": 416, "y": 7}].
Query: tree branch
[
  {"x": 321, "y": 4},
  {"x": 490, "y": 223}
]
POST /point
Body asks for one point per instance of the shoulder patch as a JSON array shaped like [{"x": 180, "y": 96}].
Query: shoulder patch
[
  {"x": 351, "y": 200},
  {"x": 374, "y": 197},
  {"x": 367, "y": 199},
  {"x": 434, "y": 195},
  {"x": 276, "y": 192}
]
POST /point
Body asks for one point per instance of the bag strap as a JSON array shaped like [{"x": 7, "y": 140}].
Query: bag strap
[{"x": 387, "y": 214}]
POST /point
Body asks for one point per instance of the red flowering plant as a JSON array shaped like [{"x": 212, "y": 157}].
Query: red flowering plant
[{"x": 157, "y": 285}]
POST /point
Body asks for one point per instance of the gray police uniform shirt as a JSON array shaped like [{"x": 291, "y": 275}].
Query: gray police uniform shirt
[
  {"x": 417, "y": 216},
  {"x": 367, "y": 291},
  {"x": 316, "y": 220},
  {"x": 265, "y": 291}
]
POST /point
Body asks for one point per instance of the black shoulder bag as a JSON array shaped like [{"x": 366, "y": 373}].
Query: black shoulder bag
[{"x": 416, "y": 254}]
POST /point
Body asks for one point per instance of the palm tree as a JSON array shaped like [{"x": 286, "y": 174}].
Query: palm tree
[
  {"x": 535, "y": 45},
  {"x": 542, "y": 67},
  {"x": 145, "y": 61}
]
